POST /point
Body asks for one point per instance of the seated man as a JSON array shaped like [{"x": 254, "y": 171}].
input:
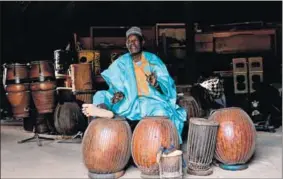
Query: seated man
[{"x": 139, "y": 86}]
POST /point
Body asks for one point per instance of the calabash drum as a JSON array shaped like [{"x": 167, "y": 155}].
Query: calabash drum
[
  {"x": 201, "y": 146},
  {"x": 236, "y": 138},
  {"x": 190, "y": 105},
  {"x": 106, "y": 147},
  {"x": 149, "y": 136},
  {"x": 19, "y": 97},
  {"x": 15, "y": 73},
  {"x": 170, "y": 165},
  {"x": 81, "y": 75},
  {"x": 43, "y": 94},
  {"x": 68, "y": 118},
  {"x": 63, "y": 60},
  {"x": 41, "y": 71}
]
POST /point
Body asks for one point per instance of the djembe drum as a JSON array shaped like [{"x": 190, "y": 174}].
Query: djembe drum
[
  {"x": 41, "y": 71},
  {"x": 106, "y": 147},
  {"x": 236, "y": 138},
  {"x": 201, "y": 146},
  {"x": 149, "y": 136}
]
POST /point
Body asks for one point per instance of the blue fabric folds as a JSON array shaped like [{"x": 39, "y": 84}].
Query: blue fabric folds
[{"x": 120, "y": 76}]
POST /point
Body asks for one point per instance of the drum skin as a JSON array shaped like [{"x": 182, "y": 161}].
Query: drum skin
[
  {"x": 149, "y": 136},
  {"x": 236, "y": 138},
  {"x": 106, "y": 145}
]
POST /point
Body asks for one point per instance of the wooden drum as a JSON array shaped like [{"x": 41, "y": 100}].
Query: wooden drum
[
  {"x": 170, "y": 165},
  {"x": 106, "y": 147},
  {"x": 190, "y": 105},
  {"x": 81, "y": 76},
  {"x": 15, "y": 73},
  {"x": 149, "y": 136},
  {"x": 84, "y": 96},
  {"x": 236, "y": 138},
  {"x": 201, "y": 146},
  {"x": 41, "y": 71},
  {"x": 19, "y": 97},
  {"x": 43, "y": 94}
]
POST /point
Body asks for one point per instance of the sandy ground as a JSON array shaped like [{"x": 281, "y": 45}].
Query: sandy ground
[{"x": 57, "y": 160}]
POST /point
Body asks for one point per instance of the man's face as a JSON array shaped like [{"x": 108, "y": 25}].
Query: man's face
[{"x": 134, "y": 44}]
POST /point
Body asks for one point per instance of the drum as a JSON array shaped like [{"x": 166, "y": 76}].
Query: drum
[
  {"x": 63, "y": 60},
  {"x": 41, "y": 71},
  {"x": 190, "y": 105},
  {"x": 68, "y": 118},
  {"x": 18, "y": 96},
  {"x": 170, "y": 165},
  {"x": 106, "y": 147},
  {"x": 236, "y": 138},
  {"x": 15, "y": 73},
  {"x": 81, "y": 75},
  {"x": 149, "y": 136},
  {"x": 43, "y": 94},
  {"x": 84, "y": 96},
  {"x": 201, "y": 146},
  {"x": 90, "y": 56}
]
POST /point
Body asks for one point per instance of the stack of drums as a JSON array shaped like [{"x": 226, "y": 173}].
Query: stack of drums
[
  {"x": 43, "y": 86},
  {"x": 82, "y": 82},
  {"x": 15, "y": 80}
]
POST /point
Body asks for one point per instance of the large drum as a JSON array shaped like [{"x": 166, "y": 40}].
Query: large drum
[
  {"x": 236, "y": 138},
  {"x": 43, "y": 94},
  {"x": 41, "y": 71},
  {"x": 106, "y": 147},
  {"x": 81, "y": 76},
  {"x": 19, "y": 97},
  {"x": 150, "y": 135},
  {"x": 15, "y": 73},
  {"x": 68, "y": 118},
  {"x": 190, "y": 105},
  {"x": 201, "y": 146}
]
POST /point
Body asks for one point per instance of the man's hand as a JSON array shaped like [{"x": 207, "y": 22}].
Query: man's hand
[
  {"x": 118, "y": 96},
  {"x": 152, "y": 79}
]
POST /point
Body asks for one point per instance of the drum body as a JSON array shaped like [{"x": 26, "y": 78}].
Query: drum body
[
  {"x": 90, "y": 56},
  {"x": 85, "y": 96},
  {"x": 18, "y": 96},
  {"x": 201, "y": 146},
  {"x": 81, "y": 76},
  {"x": 170, "y": 165},
  {"x": 149, "y": 136},
  {"x": 41, "y": 71},
  {"x": 63, "y": 60},
  {"x": 236, "y": 138},
  {"x": 15, "y": 73},
  {"x": 106, "y": 147},
  {"x": 43, "y": 94},
  {"x": 190, "y": 105},
  {"x": 68, "y": 118}
]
